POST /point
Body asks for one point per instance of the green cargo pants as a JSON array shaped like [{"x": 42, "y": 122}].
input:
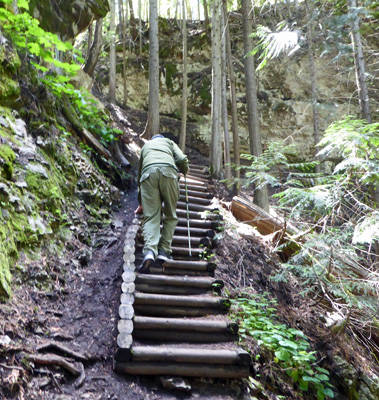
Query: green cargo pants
[{"x": 159, "y": 184}]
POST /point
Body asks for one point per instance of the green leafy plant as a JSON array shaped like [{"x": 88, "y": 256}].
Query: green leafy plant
[
  {"x": 277, "y": 167},
  {"x": 349, "y": 194},
  {"x": 256, "y": 315},
  {"x": 28, "y": 37},
  {"x": 93, "y": 118},
  {"x": 273, "y": 43},
  {"x": 40, "y": 46}
]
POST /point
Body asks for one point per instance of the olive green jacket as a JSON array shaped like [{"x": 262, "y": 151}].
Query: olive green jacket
[{"x": 161, "y": 152}]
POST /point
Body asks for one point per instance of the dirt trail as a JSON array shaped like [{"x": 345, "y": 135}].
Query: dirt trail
[{"x": 83, "y": 316}]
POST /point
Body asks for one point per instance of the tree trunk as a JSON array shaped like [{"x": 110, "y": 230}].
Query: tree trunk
[
  {"x": 112, "y": 54},
  {"x": 176, "y": 10},
  {"x": 94, "y": 53},
  {"x": 140, "y": 26},
  {"x": 360, "y": 73},
  {"x": 152, "y": 125},
  {"x": 216, "y": 148},
  {"x": 120, "y": 19},
  {"x": 132, "y": 20},
  {"x": 233, "y": 102},
  {"x": 123, "y": 35},
  {"x": 183, "y": 130},
  {"x": 206, "y": 16},
  {"x": 261, "y": 195},
  {"x": 224, "y": 105},
  {"x": 90, "y": 39},
  {"x": 316, "y": 131},
  {"x": 364, "y": 99}
]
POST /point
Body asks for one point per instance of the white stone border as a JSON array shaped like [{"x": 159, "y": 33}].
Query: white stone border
[{"x": 126, "y": 310}]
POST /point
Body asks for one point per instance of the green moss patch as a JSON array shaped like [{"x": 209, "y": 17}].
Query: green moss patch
[
  {"x": 7, "y": 158},
  {"x": 8, "y": 255}
]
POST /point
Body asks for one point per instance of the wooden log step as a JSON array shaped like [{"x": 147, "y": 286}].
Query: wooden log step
[
  {"x": 196, "y": 188},
  {"x": 195, "y": 200},
  {"x": 195, "y": 241},
  {"x": 194, "y": 207},
  {"x": 188, "y": 289},
  {"x": 183, "y": 336},
  {"x": 199, "y": 174},
  {"x": 179, "y": 272},
  {"x": 165, "y": 354},
  {"x": 205, "y": 283},
  {"x": 196, "y": 193},
  {"x": 170, "y": 290},
  {"x": 198, "y": 170},
  {"x": 193, "y": 181},
  {"x": 197, "y": 223},
  {"x": 195, "y": 252},
  {"x": 181, "y": 301},
  {"x": 179, "y": 324},
  {"x": 190, "y": 265},
  {"x": 193, "y": 370},
  {"x": 196, "y": 166},
  {"x": 183, "y": 230},
  {"x": 197, "y": 178},
  {"x": 179, "y": 252},
  {"x": 186, "y": 285},
  {"x": 196, "y": 215},
  {"x": 176, "y": 311}
]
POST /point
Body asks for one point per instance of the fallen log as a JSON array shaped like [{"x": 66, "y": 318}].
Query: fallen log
[
  {"x": 253, "y": 215},
  {"x": 95, "y": 143},
  {"x": 268, "y": 224}
]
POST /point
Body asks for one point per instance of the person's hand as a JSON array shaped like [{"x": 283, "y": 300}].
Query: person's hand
[{"x": 139, "y": 210}]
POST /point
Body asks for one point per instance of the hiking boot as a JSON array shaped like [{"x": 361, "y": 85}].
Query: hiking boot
[
  {"x": 147, "y": 262},
  {"x": 163, "y": 256}
]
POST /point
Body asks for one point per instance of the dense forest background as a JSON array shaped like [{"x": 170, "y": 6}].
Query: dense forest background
[{"x": 280, "y": 99}]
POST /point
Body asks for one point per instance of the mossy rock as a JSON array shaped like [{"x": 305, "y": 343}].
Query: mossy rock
[
  {"x": 8, "y": 255},
  {"x": 9, "y": 64},
  {"x": 171, "y": 71},
  {"x": 68, "y": 18},
  {"x": 7, "y": 158}
]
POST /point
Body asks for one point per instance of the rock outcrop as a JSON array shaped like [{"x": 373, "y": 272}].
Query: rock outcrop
[{"x": 68, "y": 18}]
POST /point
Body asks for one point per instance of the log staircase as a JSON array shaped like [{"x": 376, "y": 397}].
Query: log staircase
[{"x": 173, "y": 320}]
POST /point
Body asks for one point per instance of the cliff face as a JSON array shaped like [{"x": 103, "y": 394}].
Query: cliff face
[
  {"x": 46, "y": 179},
  {"x": 284, "y": 87}
]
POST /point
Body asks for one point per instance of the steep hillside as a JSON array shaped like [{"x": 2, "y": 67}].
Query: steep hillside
[{"x": 67, "y": 196}]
